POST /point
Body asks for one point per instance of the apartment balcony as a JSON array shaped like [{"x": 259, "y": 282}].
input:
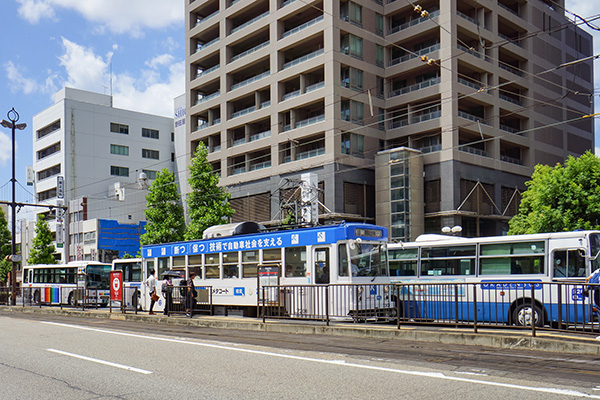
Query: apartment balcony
[
  {"x": 200, "y": 19},
  {"x": 303, "y": 58},
  {"x": 249, "y": 22},
  {"x": 415, "y": 87},
  {"x": 202, "y": 46},
  {"x": 250, "y": 80},
  {"x": 205, "y": 72},
  {"x": 250, "y": 51},
  {"x": 473, "y": 150},
  {"x": 416, "y": 54},
  {"x": 413, "y": 22},
  {"x": 301, "y": 27},
  {"x": 206, "y": 98},
  {"x": 472, "y": 117}
]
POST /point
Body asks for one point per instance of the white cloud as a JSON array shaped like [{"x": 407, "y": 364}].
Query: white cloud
[
  {"x": 163, "y": 59},
  {"x": 5, "y": 148},
  {"x": 118, "y": 16},
  {"x": 85, "y": 70},
  {"x": 20, "y": 83}
]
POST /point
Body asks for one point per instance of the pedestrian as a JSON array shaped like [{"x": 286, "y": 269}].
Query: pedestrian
[
  {"x": 151, "y": 284},
  {"x": 595, "y": 278},
  {"x": 190, "y": 295},
  {"x": 167, "y": 291}
]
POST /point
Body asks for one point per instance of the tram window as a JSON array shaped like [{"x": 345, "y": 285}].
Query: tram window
[
  {"x": 403, "y": 262},
  {"x": 179, "y": 261},
  {"x": 343, "y": 257},
  {"x": 211, "y": 266},
  {"x": 195, "y": 260},
  {"x": 163, "y": 266},
  {"x": 230, "y": 265},
  {"x": 249, "y": 264},
  {"x": 295, "y": 262},
  {"x": 271, "y": 255}
]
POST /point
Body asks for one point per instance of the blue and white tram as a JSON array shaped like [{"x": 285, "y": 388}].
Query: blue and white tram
[{"x": 229, "y": 260}]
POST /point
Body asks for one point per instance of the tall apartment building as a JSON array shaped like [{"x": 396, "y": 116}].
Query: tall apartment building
[
  {"x": 483, "y": 90},
  {"x": 99, "y": 152}
]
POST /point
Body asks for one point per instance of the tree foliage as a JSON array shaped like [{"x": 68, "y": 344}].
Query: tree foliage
[
  {"x": 164, "y": 211},
  {"x": 42, "y": 249},
  {"x": 561, "y": 198},
  {"x": 208, "y": 203},
  {"x": 5, "y": 248}
]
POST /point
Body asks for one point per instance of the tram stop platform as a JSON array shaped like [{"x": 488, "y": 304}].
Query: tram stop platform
[{"x": 502, "y": 338}]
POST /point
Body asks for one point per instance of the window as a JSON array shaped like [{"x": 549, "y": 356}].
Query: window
[
  {"x": 119, "y": 150},
  {"x": 295, "y": 262},
  {"x": 381, "y": 119},
  {"x": 352, "y": 45},
  {"x": 352, "y": 78},
  {"x": 230, "y": 265},
  {"x": 150, "y": 133},
  {"x": 48, "y": 151},
  {"x": 512, "y": 258},
  {"x": 48, "y": 172},
  {"x": 452, "y": 260},
  {"x": 352, "y": 111},
  {"x": 119, "y": 171},
  {"x": 211, "y": 265},
  {"x": 352, "y": 12},
  {"x": 403, "y": 262},
  {"x": 380, "y": 87},
  {"x": 379, "y": 24},
  {"x": 47, "y": 194},
  {"x": 249, "y": 264},
  {"x": 119, "y": 128},
  {"x": 379, "y": 55},
  {"x": 150, "y": 174},
  {"x": 353, "y": 144},
  {"x": 152, "y": 154},
  {"x": 48, "y": 129}
]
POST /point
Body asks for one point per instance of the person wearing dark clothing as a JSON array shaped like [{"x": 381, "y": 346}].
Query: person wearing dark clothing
[
  {"x": 190, "y": 295},
  {"x": 167, "y": 290}
]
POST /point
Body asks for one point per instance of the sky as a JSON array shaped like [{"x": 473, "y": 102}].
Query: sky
[{"x": 48, "y": 44}]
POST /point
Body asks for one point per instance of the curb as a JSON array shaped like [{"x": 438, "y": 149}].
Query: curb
[{"x": 560, "y": 343}]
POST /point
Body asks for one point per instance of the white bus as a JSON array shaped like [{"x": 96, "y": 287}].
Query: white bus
[
  {"x": 229, "y": 260},
  {"x": 507, "y": 279},
  {"x": 57, "y": 283}
]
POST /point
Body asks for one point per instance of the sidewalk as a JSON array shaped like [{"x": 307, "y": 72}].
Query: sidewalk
[{"x": 559, "y": 342}]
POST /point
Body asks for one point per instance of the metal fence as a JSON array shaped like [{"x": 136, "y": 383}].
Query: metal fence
[
  {"x": 177, "y": 302},
  {"x": 530, "y": 305},
  {"x": 63, "y": 297}
]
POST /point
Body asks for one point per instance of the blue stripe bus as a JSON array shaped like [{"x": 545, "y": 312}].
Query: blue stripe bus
[
  {"x": 230, "y": 258},
  {"x": 518, "y": 280}
]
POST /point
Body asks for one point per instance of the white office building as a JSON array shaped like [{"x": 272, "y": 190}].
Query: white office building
[{"x": 90, "y": 156}]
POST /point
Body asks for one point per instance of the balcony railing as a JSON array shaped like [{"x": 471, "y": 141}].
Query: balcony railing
[
  {"x": 302, "y": 26},
  {"x": 510, "y": 99},
  {"x": 315, "y": 86},
  {"x": 287, "y": 3},
  {"x": 509, "y": 68},
  {"x": 467, "y": 50},
  {"x": 414, "y": 22},
  {"x": 237, "y": 142},
  {"x": 238, "y": 170},
  {"x": 431, "y": 149},
  {"x": 310, "y": 153},
  {"x": 410, "y": 56},
  {"x": 473, "y": 150},
  {"x": 511, "y": 160},
  {"x": 310, "y": 121},
  {"x": 250, "y": 80},
  {"x": 208, "y": 97},
  {"x": 291, "y": 95},
  {"x": 415, "y": 119},
  {"x": 511, "y": 40},
  {"x": 200, "y": 20},
  {"x": 243, "y": 112},
  {"x": 208, "y": 71},
  {"x": 465, "y": 16},
  {"x": 250, "y": 51},
  {"x": 303, "y": 58},
  {"x": 509, "y": 129},
  {"x": 469, "y": 83},
  {"x": 509, "y": 10},
  {"x": 249, "y": 22},
  {"x": 260, "y": 135},
  {"x": 416, "y": 86},
  {"x": 260, "y": 165},
  {"x": 205, "y": 45},
  {"x": 471, "y": 117}
]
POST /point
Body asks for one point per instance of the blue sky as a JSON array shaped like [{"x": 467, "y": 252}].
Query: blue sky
[{"x": 48, "y": 44}]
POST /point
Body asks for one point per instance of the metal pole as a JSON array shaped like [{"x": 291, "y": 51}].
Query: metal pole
[{"x": 13, "y": 273}]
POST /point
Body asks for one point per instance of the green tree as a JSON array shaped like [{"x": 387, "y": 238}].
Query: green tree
[
  {"x": 164, "y": 211},
  {"x": 208, "y": 203},
  {"x": 561, "y": 198},
  {"x": 42, "y": 249},
  {"x": 5, "y": 248}
]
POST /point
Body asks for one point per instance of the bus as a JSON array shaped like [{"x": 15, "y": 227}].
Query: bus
[
  {"x": 132, "y": 280},
  {"x": 518, "y": 280},
  {"x": 57, "y": 284},
  {"x": 230, "y": 258}
]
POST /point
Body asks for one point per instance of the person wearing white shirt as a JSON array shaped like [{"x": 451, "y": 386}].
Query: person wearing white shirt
[{"x": 151, "y": 283}]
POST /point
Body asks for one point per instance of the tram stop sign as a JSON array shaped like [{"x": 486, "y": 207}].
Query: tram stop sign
[{"x": 116, "y": 285}]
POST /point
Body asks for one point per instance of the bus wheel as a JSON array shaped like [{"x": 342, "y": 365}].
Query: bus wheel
[
  {"x": 523, "y": 315},
  {"x": 72, "y": 301},
  {"x": 36, "y": 297}
]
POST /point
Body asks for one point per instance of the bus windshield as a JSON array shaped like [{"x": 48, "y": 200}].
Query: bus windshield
[
  {"x": 98, "y": 276},
  {"x": 367, "y": 259}
]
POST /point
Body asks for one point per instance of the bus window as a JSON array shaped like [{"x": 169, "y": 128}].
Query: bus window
[
  {"x": 512, "y": 258},
  {"x": 568, "y": 264},
  {"x": 453, "y": 260},
  {"x": 403, "y": 262},
  {"x": 230, "y": 265},
  {"x": 295, "y": 262},
  {"x": 211, "y": 264},
  {"x": 250, "y": 264}
]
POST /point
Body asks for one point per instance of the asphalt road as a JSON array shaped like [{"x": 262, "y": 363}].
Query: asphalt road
[{"x": 49, "y": 357}]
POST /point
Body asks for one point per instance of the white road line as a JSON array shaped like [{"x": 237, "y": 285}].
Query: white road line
[
  {"x": 435, "y": 375},
  {"x": 112, "y": 364}
]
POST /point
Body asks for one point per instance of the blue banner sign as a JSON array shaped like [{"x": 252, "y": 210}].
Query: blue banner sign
[{"x": 510, "y": 285}]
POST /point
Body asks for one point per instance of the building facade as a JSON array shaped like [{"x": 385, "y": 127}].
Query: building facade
[
  {"x": 98, "y": 161},
  {"x": 484, "y": 90}
]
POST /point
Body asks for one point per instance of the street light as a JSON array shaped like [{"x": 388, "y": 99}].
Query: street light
[
  {"x": 13, "y": 116},
  {"x": 454, "y": 230}
]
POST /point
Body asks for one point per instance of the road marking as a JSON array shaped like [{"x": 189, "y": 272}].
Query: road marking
[
  {"x": 112, "y": 364},
  {"x": 435, "y": 375}
]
